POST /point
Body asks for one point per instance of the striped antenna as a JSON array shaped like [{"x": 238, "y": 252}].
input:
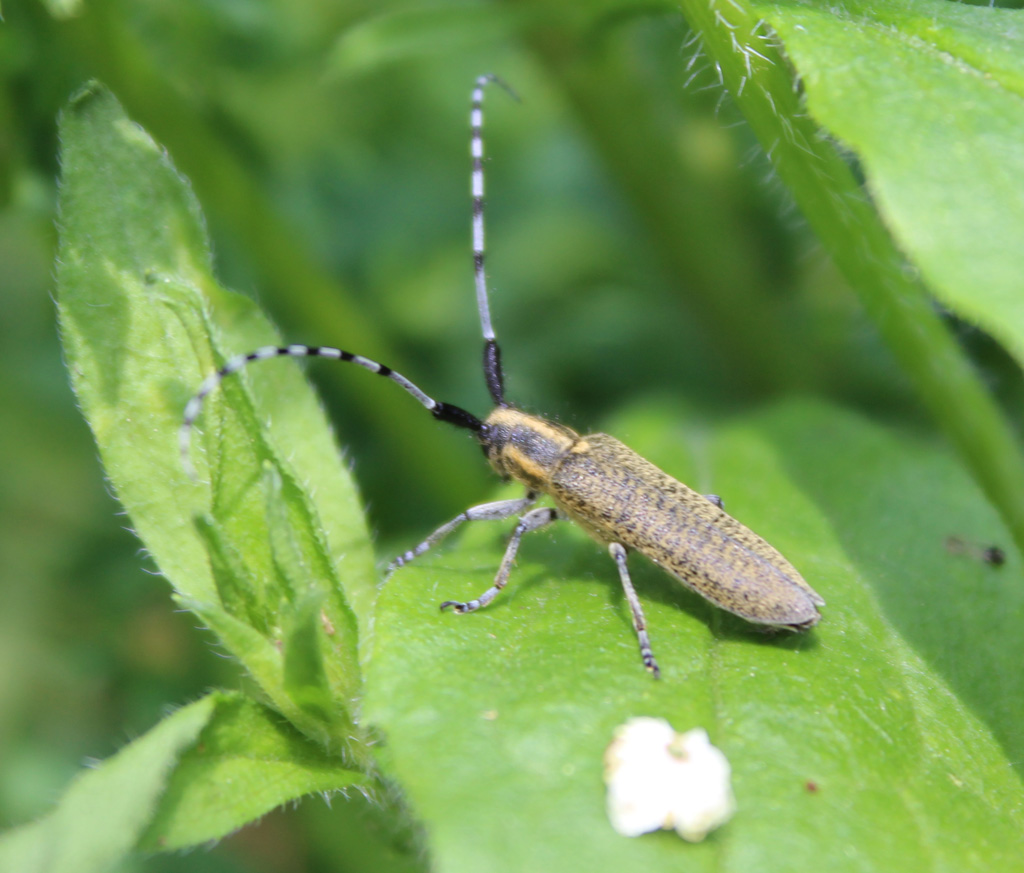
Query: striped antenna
[
  {"x": 441, "y": 411},
  {"x": 492, "y": 354}
]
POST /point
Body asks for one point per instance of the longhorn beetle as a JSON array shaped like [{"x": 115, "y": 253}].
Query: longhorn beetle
[{"x": 617, "y": 497}]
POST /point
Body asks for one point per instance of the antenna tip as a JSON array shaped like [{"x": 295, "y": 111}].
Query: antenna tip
[{"x": 488, "y": 78}]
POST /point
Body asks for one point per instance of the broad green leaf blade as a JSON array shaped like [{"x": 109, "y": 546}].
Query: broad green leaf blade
[
  {"x": 106, "y": 810},
  {"x": 873, "y": 742},
  {"x": 930, "y": 97},
  {"x": 138, "y": 307},
  {"x": 247, "y": 762},
  {"x": 199, "y": 775}
]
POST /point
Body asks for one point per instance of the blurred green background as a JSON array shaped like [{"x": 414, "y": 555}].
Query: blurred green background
[{"x": 328, "y": 145}]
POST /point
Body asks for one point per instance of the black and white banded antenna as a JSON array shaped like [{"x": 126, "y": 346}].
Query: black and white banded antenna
[
  {"x": 441, "y": 411},
  {"x": 492, "y": 354},
  {"x": 447, "y": 412}
]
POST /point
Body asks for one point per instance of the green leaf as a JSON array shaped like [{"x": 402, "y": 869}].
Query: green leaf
[
  {"x": 237, "y": 588},
  {"x": 247, "y": 762},
  {"x": 304, "y": 677},
  {"x": 143, "y": 323},
  {"x": 928, "y": 95},
  {"x": 880, "y": 740},
  {"x": 199, "y": 775},
  {"x": 102, "y": 815},
  {"x": 326, "y": 723}
]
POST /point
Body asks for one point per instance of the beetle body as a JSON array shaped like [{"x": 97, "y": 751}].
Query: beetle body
[{"x": 616, "y": 495}]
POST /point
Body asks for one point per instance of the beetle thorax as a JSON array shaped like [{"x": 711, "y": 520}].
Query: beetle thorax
[{"x": 525, "y": 447}]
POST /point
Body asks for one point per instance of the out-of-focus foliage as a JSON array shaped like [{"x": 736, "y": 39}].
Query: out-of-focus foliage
[{"x": 327, "y": 143}]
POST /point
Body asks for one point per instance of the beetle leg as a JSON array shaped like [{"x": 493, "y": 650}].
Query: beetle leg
[
  {"x": 618, "y": 553},
  {"x": 533, "y": 520},
  {"x": 495, "y": 511}
]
